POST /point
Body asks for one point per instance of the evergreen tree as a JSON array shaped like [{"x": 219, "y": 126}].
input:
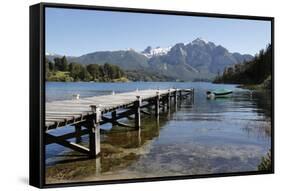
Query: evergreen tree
[
  {"x": 254, "y": 71},
  {"x": 79, "y": 72},
  {"x": 94, "y": 70},
  {"x": 58, "y": 65},
  {"x": 64, "y": 64},
  {"x": 51, "y": 66},
  {"x": 84, "y": 74},
  {"x": 75, "y": 71}
]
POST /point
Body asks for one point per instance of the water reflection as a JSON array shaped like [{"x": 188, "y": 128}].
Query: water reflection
[
  {"x": 209, "y": 136},
  {"x": 120, "y": 148}
]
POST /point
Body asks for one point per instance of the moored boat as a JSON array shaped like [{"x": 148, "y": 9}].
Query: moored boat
[{"x": 220, "y": 93}]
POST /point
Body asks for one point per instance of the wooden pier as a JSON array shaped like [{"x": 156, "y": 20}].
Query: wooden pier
[{"x": 88, "y": 114}]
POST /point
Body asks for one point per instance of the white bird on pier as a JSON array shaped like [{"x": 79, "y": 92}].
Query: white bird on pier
[{"x": 76, "y": 96}]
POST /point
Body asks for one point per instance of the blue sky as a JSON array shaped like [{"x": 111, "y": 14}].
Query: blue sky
[{"x": 76, "y": 32}]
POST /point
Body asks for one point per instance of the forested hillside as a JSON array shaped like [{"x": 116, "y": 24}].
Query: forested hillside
[
  {"x": 256, "y": 71},
  {"x": 60, "y": 70}
]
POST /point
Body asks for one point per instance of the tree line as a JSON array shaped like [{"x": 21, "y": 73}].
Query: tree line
[
  {"x": 60, "y": 70},
  {"x": 254, "y": 71}
]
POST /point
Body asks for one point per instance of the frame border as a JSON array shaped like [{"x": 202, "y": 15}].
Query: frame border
[{"x": 37, "y": 88}]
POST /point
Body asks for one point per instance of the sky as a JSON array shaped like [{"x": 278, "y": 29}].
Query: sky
[{"x": 75, "y": 32}]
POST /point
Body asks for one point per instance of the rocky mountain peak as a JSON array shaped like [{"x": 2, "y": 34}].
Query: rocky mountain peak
[
  {"x": 199, "y": 41},
  {"x": 197, "y": 59}
]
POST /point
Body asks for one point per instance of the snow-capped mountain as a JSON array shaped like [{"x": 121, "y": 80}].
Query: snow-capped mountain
[
  {"x": 158, "y": 51},
  {"x": 198, "y": 59}
]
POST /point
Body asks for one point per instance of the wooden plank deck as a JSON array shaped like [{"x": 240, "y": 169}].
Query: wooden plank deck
[
  {"x": 91, "y": 112},
  {"x": 61, "y": 113}
]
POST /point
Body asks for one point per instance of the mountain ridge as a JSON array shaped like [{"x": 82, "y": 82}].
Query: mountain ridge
[{"x": 194, "y": 60}]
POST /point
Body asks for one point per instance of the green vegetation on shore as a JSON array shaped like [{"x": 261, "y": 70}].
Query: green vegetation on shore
[
  {"x": 60, "y": 70},
  {"x": 265, "y": 85},
  {"x": 254, "y": 74}
]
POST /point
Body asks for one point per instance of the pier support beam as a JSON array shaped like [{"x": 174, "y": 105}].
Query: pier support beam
[
  {"x": 78, "y": 133},
  {"x": 94, "y": 133},
  {"x": 94, "y": 141},
  {"x": 113, "y": 117},
  {"x": 137, "y": 105},
  {"x": 90, "y": 123},
  {"x": 192, "y": 96},
  {"x": 180, "y": 94},
  {"x": 169, "y": 99},
  {"x": 176, "y": 97},
  {"x": 157, "y": 104}
]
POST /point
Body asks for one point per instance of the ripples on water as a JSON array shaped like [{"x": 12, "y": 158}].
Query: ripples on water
[{"x": 207, "y": 136}]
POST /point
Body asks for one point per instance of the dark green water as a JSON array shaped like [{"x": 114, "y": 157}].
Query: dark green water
[{"x": 207, "y": 136}]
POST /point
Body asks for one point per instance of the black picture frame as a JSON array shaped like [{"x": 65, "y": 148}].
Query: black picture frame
[{"x": 37, "y": 92}]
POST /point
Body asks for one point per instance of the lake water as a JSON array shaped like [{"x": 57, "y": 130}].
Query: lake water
[{"x": 200, "y": 137}]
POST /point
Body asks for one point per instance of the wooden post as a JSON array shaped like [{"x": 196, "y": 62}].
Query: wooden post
[
  {"x": 176, "y": 97},
  {"x": 137, "y": 105},
  {"x": 94, "y": 133},
  {"x": 192, "y": 95},
  {"x": 169, "y": 99},
  {"x": 78, "y": 133},
  {"x": 157, "y": 104},
  {"x": 180, "y": 94},
  {"x": 113, "y": 117}
]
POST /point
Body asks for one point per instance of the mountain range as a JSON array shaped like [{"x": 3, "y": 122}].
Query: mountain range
[{"x": 198, "y": 59}]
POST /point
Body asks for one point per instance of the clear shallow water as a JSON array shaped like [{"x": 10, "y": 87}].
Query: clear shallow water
[{"x": 207, "y": 136}]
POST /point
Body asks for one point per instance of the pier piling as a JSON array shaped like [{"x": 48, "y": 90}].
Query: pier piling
[
  {"x": 114, "y": 117},
  {"x": 157, "y": 104},
  {"x": 90, "y": 113},
  {"x": 169, "y": 99},
  {"x": 137, "y": 105},
  {"x": 78, "y": 133},
  {"x": 94, "y": 132},
  {"x": 176, "y": 97}
]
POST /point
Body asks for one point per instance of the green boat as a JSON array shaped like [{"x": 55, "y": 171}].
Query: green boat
[{"x": 220, "y": 93}]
